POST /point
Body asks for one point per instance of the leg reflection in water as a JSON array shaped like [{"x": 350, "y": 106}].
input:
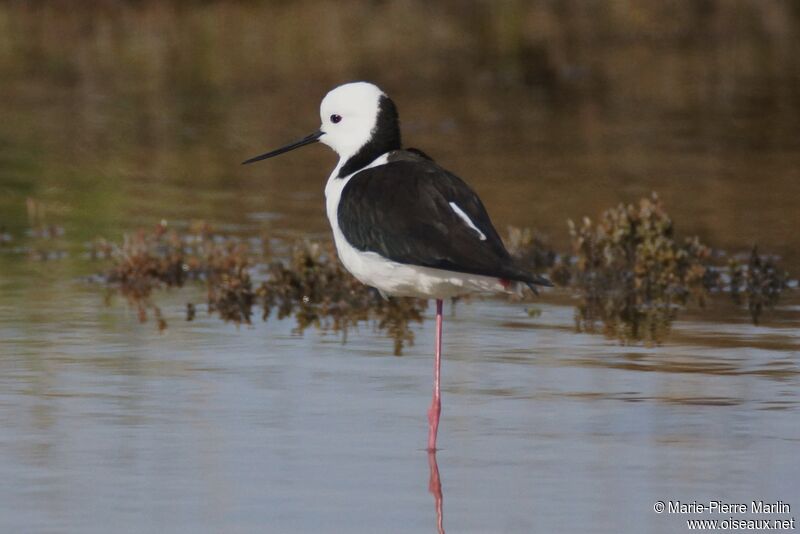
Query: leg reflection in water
[{"x": 435, "y": 487}]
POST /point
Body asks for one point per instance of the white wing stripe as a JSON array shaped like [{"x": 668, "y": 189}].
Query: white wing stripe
[{"x": 464, "y": 217}]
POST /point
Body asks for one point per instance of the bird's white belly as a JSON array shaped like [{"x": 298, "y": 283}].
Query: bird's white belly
[{"x": 399, "y": 279}]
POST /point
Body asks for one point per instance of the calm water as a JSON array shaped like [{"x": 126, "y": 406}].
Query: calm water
[{"x": 108, "y": 426}]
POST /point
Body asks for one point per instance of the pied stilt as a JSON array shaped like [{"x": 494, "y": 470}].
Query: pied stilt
[{"x": 402, "y": 223}]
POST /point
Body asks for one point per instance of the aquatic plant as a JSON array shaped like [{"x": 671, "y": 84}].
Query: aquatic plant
[
  {"x": 315, "y": 287},
  {"x": 230, "y": 290},
  {"x": 633, "y": 274},
  {"x": 312, "y": 285},
  {"x": 145, "y": 261},
  {"x": 759, "y": 283},
  {"x": 163, "y": 258},
  {"x": 630, "y": 272}
]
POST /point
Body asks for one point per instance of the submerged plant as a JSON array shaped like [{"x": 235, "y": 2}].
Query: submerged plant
[
  {"x": 320, "y": 292},
  {"x": 759, "y": 283},
  {"x": 312, "y": 286},
  {"x": 164, "y": 258},
  {"x": 633, "y": 274}
]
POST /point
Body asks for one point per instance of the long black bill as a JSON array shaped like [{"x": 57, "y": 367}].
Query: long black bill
[{"x": 313, "y": 138}]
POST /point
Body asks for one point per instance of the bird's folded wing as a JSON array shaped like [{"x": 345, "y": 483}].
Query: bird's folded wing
[{"x": 417, "y": 213}]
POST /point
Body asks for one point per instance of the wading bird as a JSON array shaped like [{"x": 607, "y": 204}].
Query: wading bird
[{"x": 401, "y": 223}]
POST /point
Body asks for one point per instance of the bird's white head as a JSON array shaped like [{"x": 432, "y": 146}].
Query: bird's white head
[
  {"x": 359, "y": 122},
  {"x": 349, "y": 114}
]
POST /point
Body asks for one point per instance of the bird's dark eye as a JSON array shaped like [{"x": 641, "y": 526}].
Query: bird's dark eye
[{"x": 335, "y": 118}]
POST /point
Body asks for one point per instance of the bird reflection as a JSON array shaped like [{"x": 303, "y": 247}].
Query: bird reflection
[{"x": 435, "y": 487}]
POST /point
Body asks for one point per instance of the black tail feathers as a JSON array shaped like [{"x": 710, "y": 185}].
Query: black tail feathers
[{"x": 536, "y": 280}]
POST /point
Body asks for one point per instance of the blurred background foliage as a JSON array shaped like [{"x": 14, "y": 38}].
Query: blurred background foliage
[
  {"x": 117, "y": 115},
  {"x": 183, "y": 90}
]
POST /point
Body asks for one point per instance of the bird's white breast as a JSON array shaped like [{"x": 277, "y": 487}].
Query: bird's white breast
[{"x": 390, "y": 277}]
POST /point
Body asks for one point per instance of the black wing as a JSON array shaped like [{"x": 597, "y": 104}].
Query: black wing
[{"x": 402, "y": 210}]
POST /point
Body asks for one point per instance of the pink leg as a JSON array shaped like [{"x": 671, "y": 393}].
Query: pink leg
[{"x": 436, "y": 404}]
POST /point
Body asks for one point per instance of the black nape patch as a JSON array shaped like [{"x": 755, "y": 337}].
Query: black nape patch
[
  {"x": 385, "y": 137},
  {"x": 420, "y": 153},
  {"x": 408, "y": 154}
]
